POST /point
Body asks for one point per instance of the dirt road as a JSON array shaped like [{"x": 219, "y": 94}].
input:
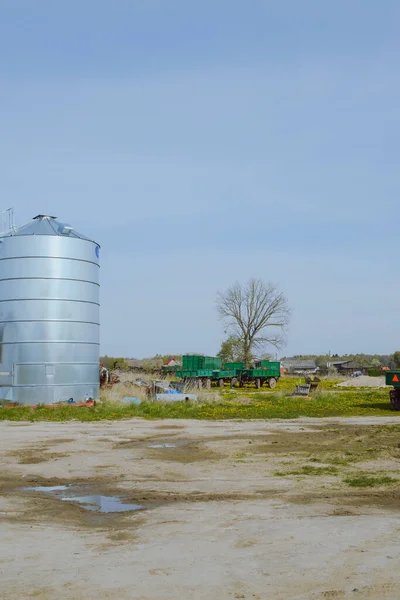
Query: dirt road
[{"x": 253, "y": 510}]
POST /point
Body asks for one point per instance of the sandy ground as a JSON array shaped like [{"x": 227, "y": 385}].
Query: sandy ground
[{"x": 227, "y": 513}]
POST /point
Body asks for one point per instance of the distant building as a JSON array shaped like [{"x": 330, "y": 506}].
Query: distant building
[
  {"x": 347, "y": 367},
  {"x": 298, "y": 365},
  {"x": 171, "y": 363}
]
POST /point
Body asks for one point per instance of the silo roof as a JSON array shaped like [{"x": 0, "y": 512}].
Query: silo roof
[{"x": 46, "y": 225}]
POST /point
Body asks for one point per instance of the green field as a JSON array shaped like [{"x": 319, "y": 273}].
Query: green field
[{"x": 328, "y": 401}]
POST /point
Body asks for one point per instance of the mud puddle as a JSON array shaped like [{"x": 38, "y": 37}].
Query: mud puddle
[
  {"x": 170, "y": 444},
  {"x": 104, "y": 504},
  {"x": 97, "y": 503},
  {"x": 47, "y": 488},
  {"x": 161, "y": 446}
]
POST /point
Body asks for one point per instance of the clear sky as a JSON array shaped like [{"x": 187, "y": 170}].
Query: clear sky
[{"x": 204, "y": 142}]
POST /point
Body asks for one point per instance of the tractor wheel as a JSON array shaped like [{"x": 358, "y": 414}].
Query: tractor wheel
[
  {"x": 208, "y": 384},
  {"x": 395, "y": 399},
  {"x": 258, "y": 383},
  {"x": 272, "y": 383},
  {"x": 234, "y": 382}
]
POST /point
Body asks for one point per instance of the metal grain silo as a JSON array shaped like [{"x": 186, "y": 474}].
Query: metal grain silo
[{"x": 49, "y": 313}]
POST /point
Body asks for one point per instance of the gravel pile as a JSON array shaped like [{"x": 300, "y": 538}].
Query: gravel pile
[{"x": 364, "y": 381}]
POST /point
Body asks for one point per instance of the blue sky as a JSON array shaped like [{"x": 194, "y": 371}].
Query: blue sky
[{"x": 203, "y": 143}]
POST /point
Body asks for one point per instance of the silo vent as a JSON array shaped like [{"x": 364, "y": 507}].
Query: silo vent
[{"x": 65, "y": 229}]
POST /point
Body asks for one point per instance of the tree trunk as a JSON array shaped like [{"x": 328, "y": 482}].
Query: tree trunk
[{"x": 247, "y": 352}]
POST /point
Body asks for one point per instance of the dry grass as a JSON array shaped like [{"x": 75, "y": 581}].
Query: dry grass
[
  {"x": 208, "y": 396},
  {"x": 117, "y": 392}
]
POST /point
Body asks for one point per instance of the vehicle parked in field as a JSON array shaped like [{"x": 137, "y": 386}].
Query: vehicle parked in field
[{"x": 356, "y": 374}]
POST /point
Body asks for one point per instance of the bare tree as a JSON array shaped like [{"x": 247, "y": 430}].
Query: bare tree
[{"x": 256, "y": 314}]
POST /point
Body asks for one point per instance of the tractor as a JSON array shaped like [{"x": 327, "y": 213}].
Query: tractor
[{"x": 393, "y": 379}]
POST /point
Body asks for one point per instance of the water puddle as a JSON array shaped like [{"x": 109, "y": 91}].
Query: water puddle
[
  {"x": 170, "y": 444},
  {"x": 104, "y": 504},
  {"x": 162, "y": 445},
  {"x": 47, "y": 488},
  {"x": 97, "y": 503}
]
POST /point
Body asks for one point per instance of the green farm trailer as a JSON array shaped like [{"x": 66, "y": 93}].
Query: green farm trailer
[
  {"x": 198, "y": 371},
  {"x": 202, "y": 373},
  {"x": 199, "y": 378},
  {"x": 264, "y": 372},
  {"x": 193, "y": 362},
  {"x": 393, "y": 379}
]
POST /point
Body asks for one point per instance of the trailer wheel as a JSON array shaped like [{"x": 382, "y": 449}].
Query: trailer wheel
[
  {"x": 199, "y": 384},
  {"x": 258, "y": 383},
  {"x": 234, "y": 382},
  {"x": 208, "y": 383},
  {"x": 221, "y": 383},
  {"x": 272, "y": 383}
]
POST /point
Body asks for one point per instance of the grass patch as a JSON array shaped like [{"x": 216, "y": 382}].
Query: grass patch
[
  {"x": 228, "y": 405},
  {"x": 346, "y": 458},
  {"x": 309, "y": 470},
  {"x": 364, "y": 481},
  {"x": 340, "y": 461},
  {"x": 333, "y": 460},
  {"x": 288, "y": 384}
]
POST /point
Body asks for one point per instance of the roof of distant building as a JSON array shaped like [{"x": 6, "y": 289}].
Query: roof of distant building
[{"x": 298, "y": 363}]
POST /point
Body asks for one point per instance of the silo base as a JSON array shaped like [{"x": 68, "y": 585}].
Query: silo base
[{"x": 34, "y": 395}]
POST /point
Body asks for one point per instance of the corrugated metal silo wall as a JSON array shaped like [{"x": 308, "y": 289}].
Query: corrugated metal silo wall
[{"x": 49, "y": 319}]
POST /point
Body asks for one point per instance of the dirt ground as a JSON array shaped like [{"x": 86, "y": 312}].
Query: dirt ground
[{"x": 253, "y": 510}]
